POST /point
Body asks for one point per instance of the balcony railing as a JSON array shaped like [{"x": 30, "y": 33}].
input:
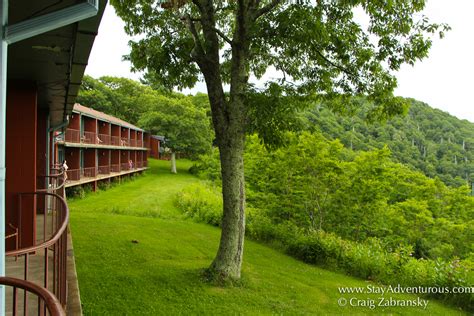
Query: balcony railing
[
  {"x": 73, "y": 174},
  {"x": 75, "y": 136},
  {"x": 41, "y": 266},
  {"x": 72, "y": 135},
  {"x": 90, "y": 172},
  {"x": 103, "y": 139},
  {"x": 141, "y": 164},
  {"x": 46, "y": 300},
  {"x": 124, "y": 142},
  {"x": 52, "y": 183},
  {"x": 115, "y": 168},
  {"x": 104, "y": 169},
  {"x": 115, "y": 140},
  {"x": 89, "y": 138}
]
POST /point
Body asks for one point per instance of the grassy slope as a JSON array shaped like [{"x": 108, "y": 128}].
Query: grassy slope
[{"x": 160, "y": 273}]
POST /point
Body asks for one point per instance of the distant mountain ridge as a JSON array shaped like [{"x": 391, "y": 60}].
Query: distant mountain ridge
[{"x": 427, "y": 139}]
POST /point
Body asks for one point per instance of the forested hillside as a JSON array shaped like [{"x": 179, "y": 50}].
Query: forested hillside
[
  {"x": 427, "y": 139},
  {"x": 355, "y": 211},
  {"x": 317, "y": 184}
]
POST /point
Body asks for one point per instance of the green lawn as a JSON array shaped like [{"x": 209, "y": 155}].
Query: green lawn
[{"x": 161, "y": 273}]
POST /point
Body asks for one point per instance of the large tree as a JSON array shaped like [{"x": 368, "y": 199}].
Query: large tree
[{"x": 317, "y": 47}]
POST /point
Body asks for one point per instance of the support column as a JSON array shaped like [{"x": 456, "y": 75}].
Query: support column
[{"x": 3, "y": 107}]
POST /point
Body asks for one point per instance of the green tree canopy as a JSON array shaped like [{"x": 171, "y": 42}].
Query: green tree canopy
[
  {"x": 185, "y": 127},
  {"x": 121, "y": 97}
]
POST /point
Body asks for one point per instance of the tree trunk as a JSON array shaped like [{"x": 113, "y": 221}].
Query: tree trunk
[
  {"x": 228, "y": 117},
  {"x": 173, "y": 163},
  {"x": 228, "y": 260}
]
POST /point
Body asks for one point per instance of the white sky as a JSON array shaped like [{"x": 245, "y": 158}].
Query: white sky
[{"x": 443, "y": 80}]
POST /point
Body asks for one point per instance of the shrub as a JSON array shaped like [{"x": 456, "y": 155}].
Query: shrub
[
  {"x": 369, "y": 260},
  {"x": 103, "y": 185},
  {"x": 201, "y": 203},
  {"x": 75, "y": 192},
  {"x": 208, "y": 166},
  {"x": 87, "y": 189}
]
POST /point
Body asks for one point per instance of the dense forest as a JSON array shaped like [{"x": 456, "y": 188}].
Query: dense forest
[
  {"x": 338, "y": 173},
  {"x": 427, "y": 139}
]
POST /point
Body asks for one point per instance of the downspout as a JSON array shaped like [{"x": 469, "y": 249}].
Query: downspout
[
  {"x": 3, "y": 112},
  {"x": 11, "y": 34},
  {"x": 62, "y": 125},
  {"x": 48, "y": 139}
]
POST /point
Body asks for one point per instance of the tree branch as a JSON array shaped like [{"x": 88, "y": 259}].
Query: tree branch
[
  {"x": 223, "y": 36},
  {"x": 269, "y": 7},
  {"x": 222, "y": 8},
  {"x": 341, "y": 68},
  {"x": 197, "y": 42}
]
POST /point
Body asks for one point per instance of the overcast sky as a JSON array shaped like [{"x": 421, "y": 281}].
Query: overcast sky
[{"x": 444, "y": 80}]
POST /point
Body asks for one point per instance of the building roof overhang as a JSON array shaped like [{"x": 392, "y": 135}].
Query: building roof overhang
[
  {"x": 83, "y": 110},
  {"x": 55, "y": 60}
]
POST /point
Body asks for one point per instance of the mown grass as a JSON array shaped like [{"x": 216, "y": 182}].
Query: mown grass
[
  {"x": 150, "y": 195},
  {"x": 161, "y": 273}
]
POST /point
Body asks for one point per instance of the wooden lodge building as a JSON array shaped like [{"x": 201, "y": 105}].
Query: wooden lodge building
[
  {"x": 155, "y": 146},
  {"x": 100, "y": 148}
]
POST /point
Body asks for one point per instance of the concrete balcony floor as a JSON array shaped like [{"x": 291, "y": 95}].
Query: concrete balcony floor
[{"x": 36, "y": 272}]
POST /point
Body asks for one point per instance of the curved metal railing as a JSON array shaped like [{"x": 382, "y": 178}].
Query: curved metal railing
[
  {"x": 43, "y": 263},
  {"x": 52, "y": 183},
  {"x": 46, "y": 300}
]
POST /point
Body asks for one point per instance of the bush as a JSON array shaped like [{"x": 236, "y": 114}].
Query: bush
[
  {"x": 208, "y": 166},
  {"x": 369, "y": 260},
  {"x": 103, "y": 185},
  {"x": 75, "y": 192},
  {"x": 87, "y": 189},
  {"x": 201, "y": 203}
]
